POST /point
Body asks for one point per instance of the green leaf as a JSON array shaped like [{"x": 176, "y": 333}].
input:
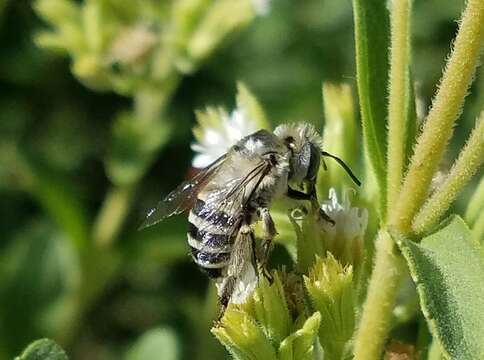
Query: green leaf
[
  {"x": 372, "y": 42},
  {"x": 449, "y": 272},
  {"x": 155, "y": 344},
  {"x": 40, "y": 279},
  {"x": 60, "y": 197},
  {"x": 44, "y": 349}
]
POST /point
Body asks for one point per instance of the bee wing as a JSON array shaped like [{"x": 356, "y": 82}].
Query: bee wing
[
  {"x": 184, "y": 196},
  {"x": 229, "y": 199}
]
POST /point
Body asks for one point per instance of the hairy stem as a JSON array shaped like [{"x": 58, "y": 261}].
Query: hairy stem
[
  {"x": 468, "y": 162},
  {"x": 446, "y": 107},
  {"x": 398, "y": 96},
  {"x": 476, "y": 204},
  {"x": 478, "y": 229},
  {"x": 382, "y": 289}
]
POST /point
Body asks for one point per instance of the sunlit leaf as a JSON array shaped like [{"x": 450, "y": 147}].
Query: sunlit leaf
[
  {"x": 155, "y": 344},
  {"x": 39, "y": 277},
  {"x": 43, "y": 349},
  {"x": 372, "y": 42},
  {"x": 448, "y": 269}
]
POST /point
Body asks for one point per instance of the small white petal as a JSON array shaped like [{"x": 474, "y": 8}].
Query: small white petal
[
  {"x": 216, "y": 141},
  {"x": 261, "y": 7}
]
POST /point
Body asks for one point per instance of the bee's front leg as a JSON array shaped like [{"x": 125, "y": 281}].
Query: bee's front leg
[
  {"x": 268, "y": 233},
  {"x": 312, "y": 197}
]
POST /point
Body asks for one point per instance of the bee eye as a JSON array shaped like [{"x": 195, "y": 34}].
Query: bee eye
[{"x": 290, "y": 142}]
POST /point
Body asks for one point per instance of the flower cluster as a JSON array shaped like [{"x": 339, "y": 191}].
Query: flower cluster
[
  {"x": 294, "y": 317},
  {"x": 217, "y": 130},
  {"x": 125, "y": 46}
]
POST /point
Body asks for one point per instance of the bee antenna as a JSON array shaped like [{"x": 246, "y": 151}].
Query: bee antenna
[{"x": 344, "y": 166}]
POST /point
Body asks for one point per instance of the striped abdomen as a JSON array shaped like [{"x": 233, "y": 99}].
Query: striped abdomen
[{"x": 210, "y": 236}]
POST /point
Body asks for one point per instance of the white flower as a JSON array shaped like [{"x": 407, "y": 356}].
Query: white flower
[
  {"x": 261, "y": 7},
  {"x": 219, "y": 133},
  {"x": 345, "y": 238}
]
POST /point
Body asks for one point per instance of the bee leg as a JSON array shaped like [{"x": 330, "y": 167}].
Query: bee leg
[
  {"x": 326, "y": 217},
  {"x": 268, "y": 233},
  {"x": 298, "y": 195},
  {"x": 315, "y": 204},
  {"x": 224, "y": 297}
]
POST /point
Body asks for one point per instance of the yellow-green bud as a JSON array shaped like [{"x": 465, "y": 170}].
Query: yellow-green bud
[
  {"x": 58, "y": 12},
  {"x": 300, "y": 345},
  {"x": 330, "y": 289},
  {"x": 242, "y": 337},
  {"x": 269, "y": 307},
  {"x": 221, "y": 19}
]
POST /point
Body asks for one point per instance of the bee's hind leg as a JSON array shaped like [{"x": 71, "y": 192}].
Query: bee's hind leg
[
  {"x": 224, "y": 297},
  {"x": 268, "y": 233}
]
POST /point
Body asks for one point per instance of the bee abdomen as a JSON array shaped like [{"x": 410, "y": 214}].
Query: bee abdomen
[
  {"x": 211, "y": 264},
  {"x": 206, "y": 241},
  {"x": 209, "y": 236},
  {"x": 211, "y": 252},
  {"x": 209, "y": 216}
]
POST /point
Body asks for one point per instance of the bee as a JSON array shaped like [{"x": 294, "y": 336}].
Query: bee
[{"x": 230, "y": 195}]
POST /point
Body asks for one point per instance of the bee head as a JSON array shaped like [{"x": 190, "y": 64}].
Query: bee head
[{"x": 304, "y": 143}]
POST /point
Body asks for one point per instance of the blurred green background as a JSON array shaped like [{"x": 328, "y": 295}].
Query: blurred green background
[{"x": 142, "y": 297}]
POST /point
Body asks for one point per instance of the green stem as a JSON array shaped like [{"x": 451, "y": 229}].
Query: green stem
[
  {"x": 398, "y": 96},
  {"x": 476, "y": 204},
  {"x": 468, "y": 162},
  {"x": 478, "y": 229},
  {"x": 382, "y": 290},
  {"x": 149, "y": 105},
  {"x": 446, "y": 107},
  {"x": 112, "y": 214}
]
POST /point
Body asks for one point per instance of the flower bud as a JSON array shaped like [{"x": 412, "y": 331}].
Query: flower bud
[
  {"x": 300, "y": 345},
  {"x": 58, "y": 12},
  {"x": 242, "y": 337},
  {"x": 339, "y": 134},
  {"x": 222, "y": 18},
  {"x": 263, "y": 328},
  {"x": 330, "y": 289}
]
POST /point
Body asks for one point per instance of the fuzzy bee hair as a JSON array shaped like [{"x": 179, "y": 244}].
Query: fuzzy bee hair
[{"x": 305, "y": 145}]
